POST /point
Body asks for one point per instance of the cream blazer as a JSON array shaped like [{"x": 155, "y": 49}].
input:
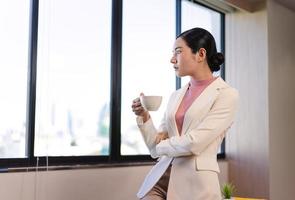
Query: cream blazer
[{"x": 193, "y": 153}]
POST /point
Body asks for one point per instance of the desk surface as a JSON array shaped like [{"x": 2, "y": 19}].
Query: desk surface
[{"x": 240, "y": 198}]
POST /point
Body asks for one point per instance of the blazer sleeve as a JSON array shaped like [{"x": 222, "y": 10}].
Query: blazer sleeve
[
  {"x": 149, "y": 133},
  {"x": 217, "y": 121}
]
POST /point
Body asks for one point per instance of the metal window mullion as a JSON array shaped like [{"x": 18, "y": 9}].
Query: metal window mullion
[
  {"x": 178, "y": 31},
  {"x": 222, "y": 73},
  {"x": 222, "y": 37},
  {"x": 32, "y": 75},
  {"x": 116, "y": 81}
]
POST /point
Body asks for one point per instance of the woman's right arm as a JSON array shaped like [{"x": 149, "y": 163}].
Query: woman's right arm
[{"x": 150, "y": 134}]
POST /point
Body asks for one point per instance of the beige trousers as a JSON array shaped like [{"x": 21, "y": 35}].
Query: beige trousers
[{"x": 159, "y": 191}]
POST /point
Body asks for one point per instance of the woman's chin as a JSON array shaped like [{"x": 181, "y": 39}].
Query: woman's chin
[{"x": 178, "y": 74}]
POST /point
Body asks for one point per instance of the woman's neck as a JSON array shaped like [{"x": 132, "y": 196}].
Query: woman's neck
[
  {"x": 200, "y": 76},
  {"x": 202, "y": 72},
  {"x": 203, "y": 82}
]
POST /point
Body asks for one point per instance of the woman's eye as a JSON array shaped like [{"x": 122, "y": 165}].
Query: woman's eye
[{"x": 178, "y": 51}]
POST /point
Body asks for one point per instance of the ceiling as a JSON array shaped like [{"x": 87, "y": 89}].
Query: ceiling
[
  {"x": 253, "y": 5},
  {"x": 287, "y": 3}
]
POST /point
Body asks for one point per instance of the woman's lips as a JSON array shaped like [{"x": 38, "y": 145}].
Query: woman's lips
[{"x": 175, "y": 67}]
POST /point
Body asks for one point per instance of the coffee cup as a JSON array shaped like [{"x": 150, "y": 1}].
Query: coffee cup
[{"x": 151, "y": 103}]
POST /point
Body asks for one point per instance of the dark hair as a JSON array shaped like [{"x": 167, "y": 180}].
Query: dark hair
[{"x": 197, "y": 38}]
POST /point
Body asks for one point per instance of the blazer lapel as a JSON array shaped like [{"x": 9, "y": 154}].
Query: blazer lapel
[
  {"x": 194, "y": 113},
  {"x": 178, "y": 98}
]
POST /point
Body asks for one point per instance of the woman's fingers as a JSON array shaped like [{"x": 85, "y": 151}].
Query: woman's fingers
[
  {"x": 137, "y": 107},
  {"x": 138, "y": 110},
  {"x": 161, "y": 136},
  {"x": 158, "y": 140}
]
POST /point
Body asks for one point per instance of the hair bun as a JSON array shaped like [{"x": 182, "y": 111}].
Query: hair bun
[{"x": 215, "y": 61}]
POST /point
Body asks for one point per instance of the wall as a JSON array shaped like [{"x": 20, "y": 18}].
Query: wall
[
  {"x": 120, "y": 183},
  {"x": 281, "y": 39},
  {"x": 246, "y": 69},
  {"x": 84, "y": 184},
  {"x": 260, "y": 54}
]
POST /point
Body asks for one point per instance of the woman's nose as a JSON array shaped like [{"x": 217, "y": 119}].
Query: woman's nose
[{"x": 173, "y": 60}]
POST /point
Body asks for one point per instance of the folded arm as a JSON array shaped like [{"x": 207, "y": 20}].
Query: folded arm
[
  {"x": 151, "y": 135},
  {"x": 217, "y": 121}
]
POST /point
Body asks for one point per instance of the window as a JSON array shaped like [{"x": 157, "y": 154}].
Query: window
[
  {"x": 147, "y": 40},
  {"x": 209, "y": 20},
  {"x": 73, "y": 79},
  {"x": 87, "y": 61},
  {"x": 14, "y": 19}
]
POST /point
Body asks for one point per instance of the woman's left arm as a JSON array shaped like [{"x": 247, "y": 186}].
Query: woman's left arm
[{"x": 217, "y": 121}]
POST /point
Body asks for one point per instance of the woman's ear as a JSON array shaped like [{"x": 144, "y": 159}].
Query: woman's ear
[{"x": 201, "y": 54}]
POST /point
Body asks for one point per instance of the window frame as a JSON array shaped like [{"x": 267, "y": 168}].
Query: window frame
[{"x": 114, "y": 156}]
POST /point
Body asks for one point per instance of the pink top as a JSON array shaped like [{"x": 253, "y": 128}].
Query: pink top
[{"x": 194, "y": 90}]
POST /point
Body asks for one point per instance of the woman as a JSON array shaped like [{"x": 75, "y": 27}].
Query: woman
[{"x": 195, "y": 122}]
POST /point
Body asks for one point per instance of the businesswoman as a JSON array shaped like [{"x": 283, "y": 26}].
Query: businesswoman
[{"x": 195, "y": 122}]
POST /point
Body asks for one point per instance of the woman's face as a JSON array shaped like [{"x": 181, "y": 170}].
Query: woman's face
[{"x": 184, "y": 61}]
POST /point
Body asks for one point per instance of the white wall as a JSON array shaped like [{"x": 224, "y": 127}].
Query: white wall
[
  {"x": 281, "y": 39},
  {"x": 119, "y": 183},
  {"x": 260, "y": 54},
  {"x": 246, "y": 62}
]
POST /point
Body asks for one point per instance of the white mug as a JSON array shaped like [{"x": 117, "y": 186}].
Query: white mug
[{"x": 151, "y": 103}]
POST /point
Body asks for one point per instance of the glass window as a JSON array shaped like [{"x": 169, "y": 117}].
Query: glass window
[
  {"x": 194, "y": 15},
  {"x": 72, "y": 113},
  {"x": 148, "y": 36},
  {"x": 73, "y": 78},
  {"x": 14, "y": 19}
]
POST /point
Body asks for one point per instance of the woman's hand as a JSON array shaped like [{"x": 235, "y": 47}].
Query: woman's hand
[
  {"x": 161, "y": 136},
  {"x": 138, "y": 109}
]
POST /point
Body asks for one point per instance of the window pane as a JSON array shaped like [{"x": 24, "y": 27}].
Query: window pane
[
  {"x": 148, "y": 36},
  {"x": 14, "y": 19},
  {"x": 194, "y": 15},
  {"x": 72, "y": 106}
]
